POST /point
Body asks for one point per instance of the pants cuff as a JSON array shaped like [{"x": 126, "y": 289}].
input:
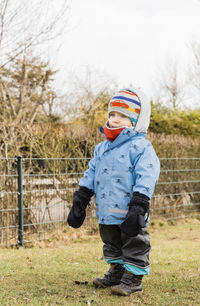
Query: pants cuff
[
  {"x": 137, "y": 270},
  {"x": 114, "y": 261}
]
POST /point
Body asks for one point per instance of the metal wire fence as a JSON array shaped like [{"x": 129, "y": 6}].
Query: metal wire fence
[{"x": 36, "y": 194}]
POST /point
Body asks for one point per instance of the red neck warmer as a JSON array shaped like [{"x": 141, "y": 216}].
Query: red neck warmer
[{"x": 112, "y": 133}]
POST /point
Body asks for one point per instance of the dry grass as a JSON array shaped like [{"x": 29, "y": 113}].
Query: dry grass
[{"x": 46, "y": 274}]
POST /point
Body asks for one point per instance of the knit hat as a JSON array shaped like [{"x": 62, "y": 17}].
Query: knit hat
[{"x": 127, "y": 103}]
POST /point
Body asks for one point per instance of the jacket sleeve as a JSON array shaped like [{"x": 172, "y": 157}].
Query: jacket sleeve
[
  {"x": 147, "y": 170},
  {"x": 88, "y": 178}
]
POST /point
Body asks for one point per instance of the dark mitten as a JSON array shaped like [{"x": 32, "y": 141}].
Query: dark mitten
[
  {"x": 77, "y": 213},
  {"x": 134, "y": 221}
]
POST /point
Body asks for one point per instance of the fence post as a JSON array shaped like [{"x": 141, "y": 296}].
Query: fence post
[{"x": 20, "y": 202}]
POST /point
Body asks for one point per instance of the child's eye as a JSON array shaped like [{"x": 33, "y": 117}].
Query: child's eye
[{"x": 123, "y": 116}]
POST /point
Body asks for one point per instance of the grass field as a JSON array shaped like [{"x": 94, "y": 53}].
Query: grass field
[{"x": 60, "y": 272}]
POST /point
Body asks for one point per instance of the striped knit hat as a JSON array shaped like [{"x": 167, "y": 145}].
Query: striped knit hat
[{"x": 127, "y": 103}]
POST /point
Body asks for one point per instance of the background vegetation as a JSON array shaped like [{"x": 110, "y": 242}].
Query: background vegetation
[{"x": 31, "y": 126}]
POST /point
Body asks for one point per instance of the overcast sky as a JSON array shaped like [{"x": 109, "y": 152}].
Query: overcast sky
[{"x": 128, "y": 40}]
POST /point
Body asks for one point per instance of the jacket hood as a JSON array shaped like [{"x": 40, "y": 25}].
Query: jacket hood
[{"x": 145, "y": 111}]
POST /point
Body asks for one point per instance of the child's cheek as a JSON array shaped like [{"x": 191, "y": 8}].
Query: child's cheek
[{"x": 109, "y": 122}]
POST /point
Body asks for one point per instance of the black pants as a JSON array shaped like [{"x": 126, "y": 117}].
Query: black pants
[{"x": 133, "y": 252}]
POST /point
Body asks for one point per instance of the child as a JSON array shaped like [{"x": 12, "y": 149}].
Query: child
[{"x": 122, "y": 175}]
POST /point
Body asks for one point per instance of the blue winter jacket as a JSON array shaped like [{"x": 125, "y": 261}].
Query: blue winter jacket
[{"x": 119, "y": 168}]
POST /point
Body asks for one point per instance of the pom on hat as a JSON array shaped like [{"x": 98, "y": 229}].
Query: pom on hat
[{"x": 127, "y": 103}]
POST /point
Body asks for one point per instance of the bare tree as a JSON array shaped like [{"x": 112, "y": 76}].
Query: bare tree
[
  {"x": 85, "y": 95},
  {"x": 194, "y": 75},
  {"x": 24, "y": 91},
  {"x": 26, "y": 28},
  {"x": 170, "y": 86},
  {"x": 27, "y": 24}
]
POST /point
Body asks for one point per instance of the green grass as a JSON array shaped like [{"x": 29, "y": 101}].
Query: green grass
[{"x": 47, "y": 275}]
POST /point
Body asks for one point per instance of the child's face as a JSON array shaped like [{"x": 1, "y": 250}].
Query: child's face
[{"x": 117, "y": 120}]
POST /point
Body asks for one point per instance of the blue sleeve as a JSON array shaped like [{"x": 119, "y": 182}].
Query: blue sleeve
[
  {"x": 147, "y": 171},
  {"x": 88, "y": 178}
]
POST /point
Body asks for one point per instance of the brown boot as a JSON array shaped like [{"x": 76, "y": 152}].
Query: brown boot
[
  {"x": 129, "y": 283},
  {"x": 111, "y": 278}
]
